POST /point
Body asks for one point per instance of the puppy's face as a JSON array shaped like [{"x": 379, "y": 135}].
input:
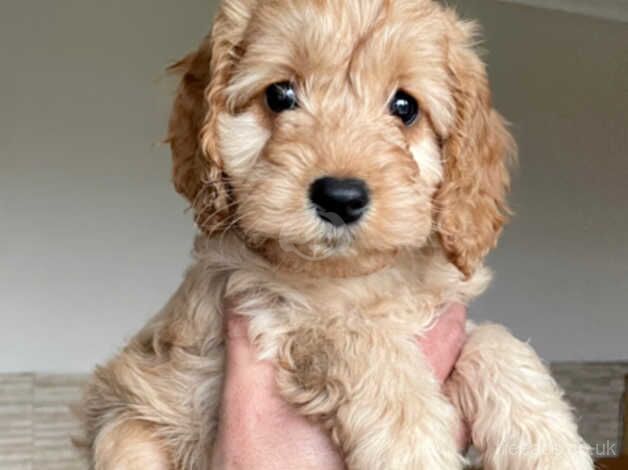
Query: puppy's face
[{"x": 341, "y": 130}]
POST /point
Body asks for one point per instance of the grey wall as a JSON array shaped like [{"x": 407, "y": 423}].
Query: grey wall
[
  {"x": 93, "y": 239},
  {"x": 562, "y": 268}
]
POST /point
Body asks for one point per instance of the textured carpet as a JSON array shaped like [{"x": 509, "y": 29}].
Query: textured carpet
[{"x": 36, "y": 424}]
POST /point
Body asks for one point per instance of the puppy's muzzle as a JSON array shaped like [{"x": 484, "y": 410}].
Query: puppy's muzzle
[{"x": 339, "y": 201}]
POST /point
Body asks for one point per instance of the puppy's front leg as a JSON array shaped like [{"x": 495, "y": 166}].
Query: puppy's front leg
[
  {"x": 375, "y": 395},
  {"x": 518, "y": 418}
]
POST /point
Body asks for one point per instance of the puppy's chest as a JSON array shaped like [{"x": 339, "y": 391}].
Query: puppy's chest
[{"x": 392, "y": 305}]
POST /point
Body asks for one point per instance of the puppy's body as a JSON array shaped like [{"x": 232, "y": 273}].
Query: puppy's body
[
  {"x": 347, "y": 356},
  {"x": 336, "y": 305},
  {"x": 345, "y": 347}
]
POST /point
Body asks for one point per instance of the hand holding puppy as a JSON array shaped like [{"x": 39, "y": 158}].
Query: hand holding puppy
[{"x": 259, "y": 431}]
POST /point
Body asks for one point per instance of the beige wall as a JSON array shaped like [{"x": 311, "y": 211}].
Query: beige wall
[{"x": 93, "y": 239}]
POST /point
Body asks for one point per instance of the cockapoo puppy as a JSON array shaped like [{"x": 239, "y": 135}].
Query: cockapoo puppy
[{"x": 348, "y": 174}]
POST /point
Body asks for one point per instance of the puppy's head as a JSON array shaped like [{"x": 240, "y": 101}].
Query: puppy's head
[{"x": 342, "y": 131}]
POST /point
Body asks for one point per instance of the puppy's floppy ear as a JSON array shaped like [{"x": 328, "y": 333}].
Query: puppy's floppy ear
[
  {"x": 197, "y": 166},
  {"x": 471, "y": 203}
]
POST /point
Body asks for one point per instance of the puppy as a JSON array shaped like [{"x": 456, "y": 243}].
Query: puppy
[{"x": 348, "y": 175}]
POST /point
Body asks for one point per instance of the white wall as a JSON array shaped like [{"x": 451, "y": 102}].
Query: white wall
[{"x": 93, "y": 239}]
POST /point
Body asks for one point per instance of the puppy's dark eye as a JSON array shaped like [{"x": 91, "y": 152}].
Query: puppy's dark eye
[
  {"x": 405, "y": 107},
  {"x": 281, "y": 97}
]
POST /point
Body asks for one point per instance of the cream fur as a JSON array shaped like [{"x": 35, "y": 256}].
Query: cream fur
[
  {"x": 337, "y": 310},
  {"x": 521, "y": 420},
  {"x": 427, "y": 156}
]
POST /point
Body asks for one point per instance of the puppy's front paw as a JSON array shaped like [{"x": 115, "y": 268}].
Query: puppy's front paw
[
  {"x": 519, "y": 419},
  {"x": 403, "y": 442},
  {"x": 383, "y": 417}
]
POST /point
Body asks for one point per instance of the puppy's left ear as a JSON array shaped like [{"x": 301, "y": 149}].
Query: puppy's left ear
[{"x": 471, "y": 203}]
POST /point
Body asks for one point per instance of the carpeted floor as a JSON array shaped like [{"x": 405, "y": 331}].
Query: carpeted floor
[
  {"x": 36, "y": 424},
  {"x": 595, "y": 391}
]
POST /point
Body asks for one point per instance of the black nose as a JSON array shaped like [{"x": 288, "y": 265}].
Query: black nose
[{"x": 339, "y": 201}]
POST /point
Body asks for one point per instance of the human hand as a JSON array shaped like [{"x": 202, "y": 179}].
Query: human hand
[{"x": 259, "y": 431}]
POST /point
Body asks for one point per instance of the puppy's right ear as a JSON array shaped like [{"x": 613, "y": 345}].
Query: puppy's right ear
[{"x": 197, "y": 166}]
